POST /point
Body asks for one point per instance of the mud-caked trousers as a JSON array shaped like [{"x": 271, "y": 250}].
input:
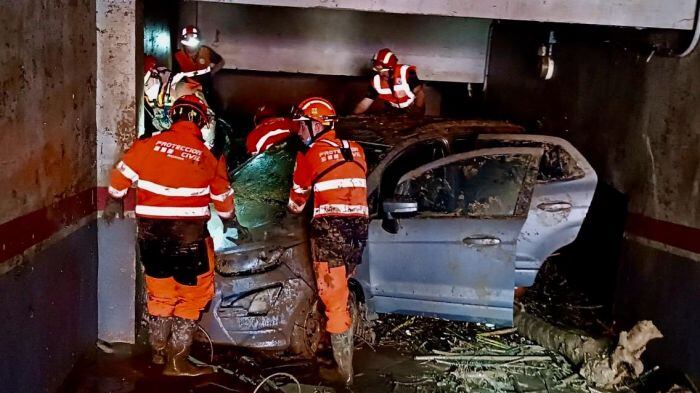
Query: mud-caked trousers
[
  {"x": 178, "y": 259},
  {"x": 336, "y": 245}
]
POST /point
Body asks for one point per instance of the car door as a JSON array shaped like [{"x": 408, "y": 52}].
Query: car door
[
  {"x": 454, "y": 258},
  {"x": 562, "y": 196}
]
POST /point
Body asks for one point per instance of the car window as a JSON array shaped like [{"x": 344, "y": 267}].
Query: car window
[
  {"x": 483, "y": 186},
  {"x": 411, "y": 158},
  {"x": 261, "y": 186},
  {"x": 556, "y": 164}
]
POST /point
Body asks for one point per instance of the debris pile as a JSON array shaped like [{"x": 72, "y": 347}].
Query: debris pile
[
  {"x": 610, "y": 370},
  {"x": 476, "y": 358}
]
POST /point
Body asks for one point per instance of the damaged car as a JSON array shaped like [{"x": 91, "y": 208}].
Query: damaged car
[{"x": 461, "y": 213}]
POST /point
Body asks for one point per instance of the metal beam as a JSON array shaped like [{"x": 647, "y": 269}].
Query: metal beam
[
  {"x": 321, "y": 41},
  {"x": 668, "y": 14}
]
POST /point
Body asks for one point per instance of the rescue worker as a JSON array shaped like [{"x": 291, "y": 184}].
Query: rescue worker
[
  {"x": 199, "y": 61},
  {"x": 270, "y": 129},
  {"x": 334, "y": 172},
  {"x": 176, "y": 178},
  {"x": 395, "y": 84},
  {"x": 162, "y": 88}
]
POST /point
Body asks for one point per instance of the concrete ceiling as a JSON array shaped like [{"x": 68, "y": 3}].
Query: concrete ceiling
[{"x": 668, "y": 14}]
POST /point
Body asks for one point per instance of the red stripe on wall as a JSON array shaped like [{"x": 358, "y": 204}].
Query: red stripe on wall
[
  {"x": 23, "y": 232},
  {"x": 675, "y": 235},
  {"x": 103, "y": 195}
]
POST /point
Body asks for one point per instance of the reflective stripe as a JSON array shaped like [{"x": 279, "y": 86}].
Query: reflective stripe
[
  {"x": 377, "y": 83},
  {"x": 116, "y": 193},
  {"x": 387, "y": 57},
  {"x": 171, "y": 191},
  {"x": 317, "y": 102},
  {"x": 329, "y": 142},
  {"x": 159, "y": 211},
  {"x": 405, "y": 87},
  {"x": 224, "y": 214},
  {"x": 291, "y": 205},
  {"x": 340, "y": 183},
  {"x": 180, "y": 75},
  {"x": 299, "y": 189},
  {"x": 267, "y": 136},
  {"x": 127, "y": 172},
  {"x": 221, "y": 197},
  {"x": 341, "y": 209}
]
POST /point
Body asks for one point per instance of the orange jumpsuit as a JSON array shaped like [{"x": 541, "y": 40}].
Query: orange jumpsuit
[
  {"x": 339, "y": 224},
  {"x": 269, "y": 132},
  {"x": 176, "y": 177}
]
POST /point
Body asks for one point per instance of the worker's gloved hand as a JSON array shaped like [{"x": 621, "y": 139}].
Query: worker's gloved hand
[
  {"x": 242, "y": 232},
  {"x": 113, "y": 209}
]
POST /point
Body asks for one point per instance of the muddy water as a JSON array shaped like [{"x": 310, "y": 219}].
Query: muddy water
[{"x": 128, "y": 369}]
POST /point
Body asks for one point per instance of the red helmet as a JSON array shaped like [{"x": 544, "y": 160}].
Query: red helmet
[
  {"x": 384, "y": 59},
  {"x": 149, "y": 63},
  {"x": 263, "y": 112},
  {"x": 315, "y": 108},
  {"x": 189, "y": 36},
  {"x": 191, "y": 108}
]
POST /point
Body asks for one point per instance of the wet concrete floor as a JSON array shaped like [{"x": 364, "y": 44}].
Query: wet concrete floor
[{"x": 128, "y": 369}]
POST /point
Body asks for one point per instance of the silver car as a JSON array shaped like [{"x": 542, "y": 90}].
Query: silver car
[{"x": 461, "y": 213}]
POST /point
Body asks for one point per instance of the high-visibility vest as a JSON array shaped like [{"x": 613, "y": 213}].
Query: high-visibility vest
[
  {"x": 187, "y": 64},
  {"x": 175, "y": 175},
  {"x": 269, "y": 132},
  {"x": 400, "y": 94},
  {"x": 335, "y": 171}
]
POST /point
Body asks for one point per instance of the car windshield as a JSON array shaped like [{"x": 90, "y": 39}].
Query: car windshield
[{"x": 261, "y": 188}]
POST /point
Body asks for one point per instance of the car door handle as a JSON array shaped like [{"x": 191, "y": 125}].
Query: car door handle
[
  {"x": 481, "y": 241},
  {"x": 554, "y": 207}
]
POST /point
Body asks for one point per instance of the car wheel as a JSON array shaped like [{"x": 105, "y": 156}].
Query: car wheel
[{"x": 307, "y": 333}]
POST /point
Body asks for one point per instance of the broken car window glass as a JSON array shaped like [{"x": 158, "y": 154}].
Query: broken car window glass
[
  {"x": 483, "y": 186},
  {"x": 261, "y": 186},
  {"x": 556, "y": 164}
]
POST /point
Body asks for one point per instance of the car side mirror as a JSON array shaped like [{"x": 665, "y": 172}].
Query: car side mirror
[{"x": 394, "y": 209}]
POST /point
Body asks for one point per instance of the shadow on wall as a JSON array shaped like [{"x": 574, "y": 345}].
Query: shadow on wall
[
  {"x": 593, "y": 260},
  {"x": 241, "y": 92}
]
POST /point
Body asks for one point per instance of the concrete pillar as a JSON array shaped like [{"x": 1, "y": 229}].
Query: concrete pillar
[{"x": 119, "y": 47}]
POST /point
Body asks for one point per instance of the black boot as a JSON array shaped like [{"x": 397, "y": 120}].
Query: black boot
[
  {"x": 179, "y": 349},
  {"x": 343, "y": 344},
  {"x": 158, "y": 332}
]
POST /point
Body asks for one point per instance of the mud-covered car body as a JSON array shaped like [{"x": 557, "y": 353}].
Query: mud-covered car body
[{"x": 461, "y": 213}]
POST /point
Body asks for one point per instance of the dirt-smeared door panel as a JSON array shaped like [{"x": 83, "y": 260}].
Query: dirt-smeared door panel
[
  {"x": 562, "y": 196},
  {"x": 455, "y": 258}
]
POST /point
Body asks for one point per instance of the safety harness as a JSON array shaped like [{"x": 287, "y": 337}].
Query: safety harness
[{"x": 346, "y": 152}]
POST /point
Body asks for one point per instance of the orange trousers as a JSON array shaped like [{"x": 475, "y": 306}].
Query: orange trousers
[
  {"x": 167, "y": 298},
  {"x": 332, "y": 284}
]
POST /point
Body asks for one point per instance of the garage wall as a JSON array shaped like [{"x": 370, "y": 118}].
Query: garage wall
[
  {"x": 48, "y": 253},
  {"x": 119, "y": 88},
  {"x": 335, "y": 42},
  {"x": 636, "y": 118}
]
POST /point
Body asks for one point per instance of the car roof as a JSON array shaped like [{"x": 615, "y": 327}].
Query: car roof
[{"x": 393, "y": 130}]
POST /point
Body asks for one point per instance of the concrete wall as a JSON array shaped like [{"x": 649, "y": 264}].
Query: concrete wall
[
  {"x": 637, "y": 121},
  {"x": 674, "y": 14},
  {"x": 333, "y": 42},
  {"x": 48, "y": 254},
  {"x": 119, "y": 84}
]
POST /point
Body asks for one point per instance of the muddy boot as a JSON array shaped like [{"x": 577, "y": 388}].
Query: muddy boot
[
  {"x": 343, "y": 344},
  {"x": 158, "y": 332},
  {"x": 179, "y": 349}
]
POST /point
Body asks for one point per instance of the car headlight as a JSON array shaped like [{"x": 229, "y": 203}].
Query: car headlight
[{"x": 254, "y": 303}]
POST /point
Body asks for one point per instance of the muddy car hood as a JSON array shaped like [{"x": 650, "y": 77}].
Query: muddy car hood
[{"x": 255, "y": 257}]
